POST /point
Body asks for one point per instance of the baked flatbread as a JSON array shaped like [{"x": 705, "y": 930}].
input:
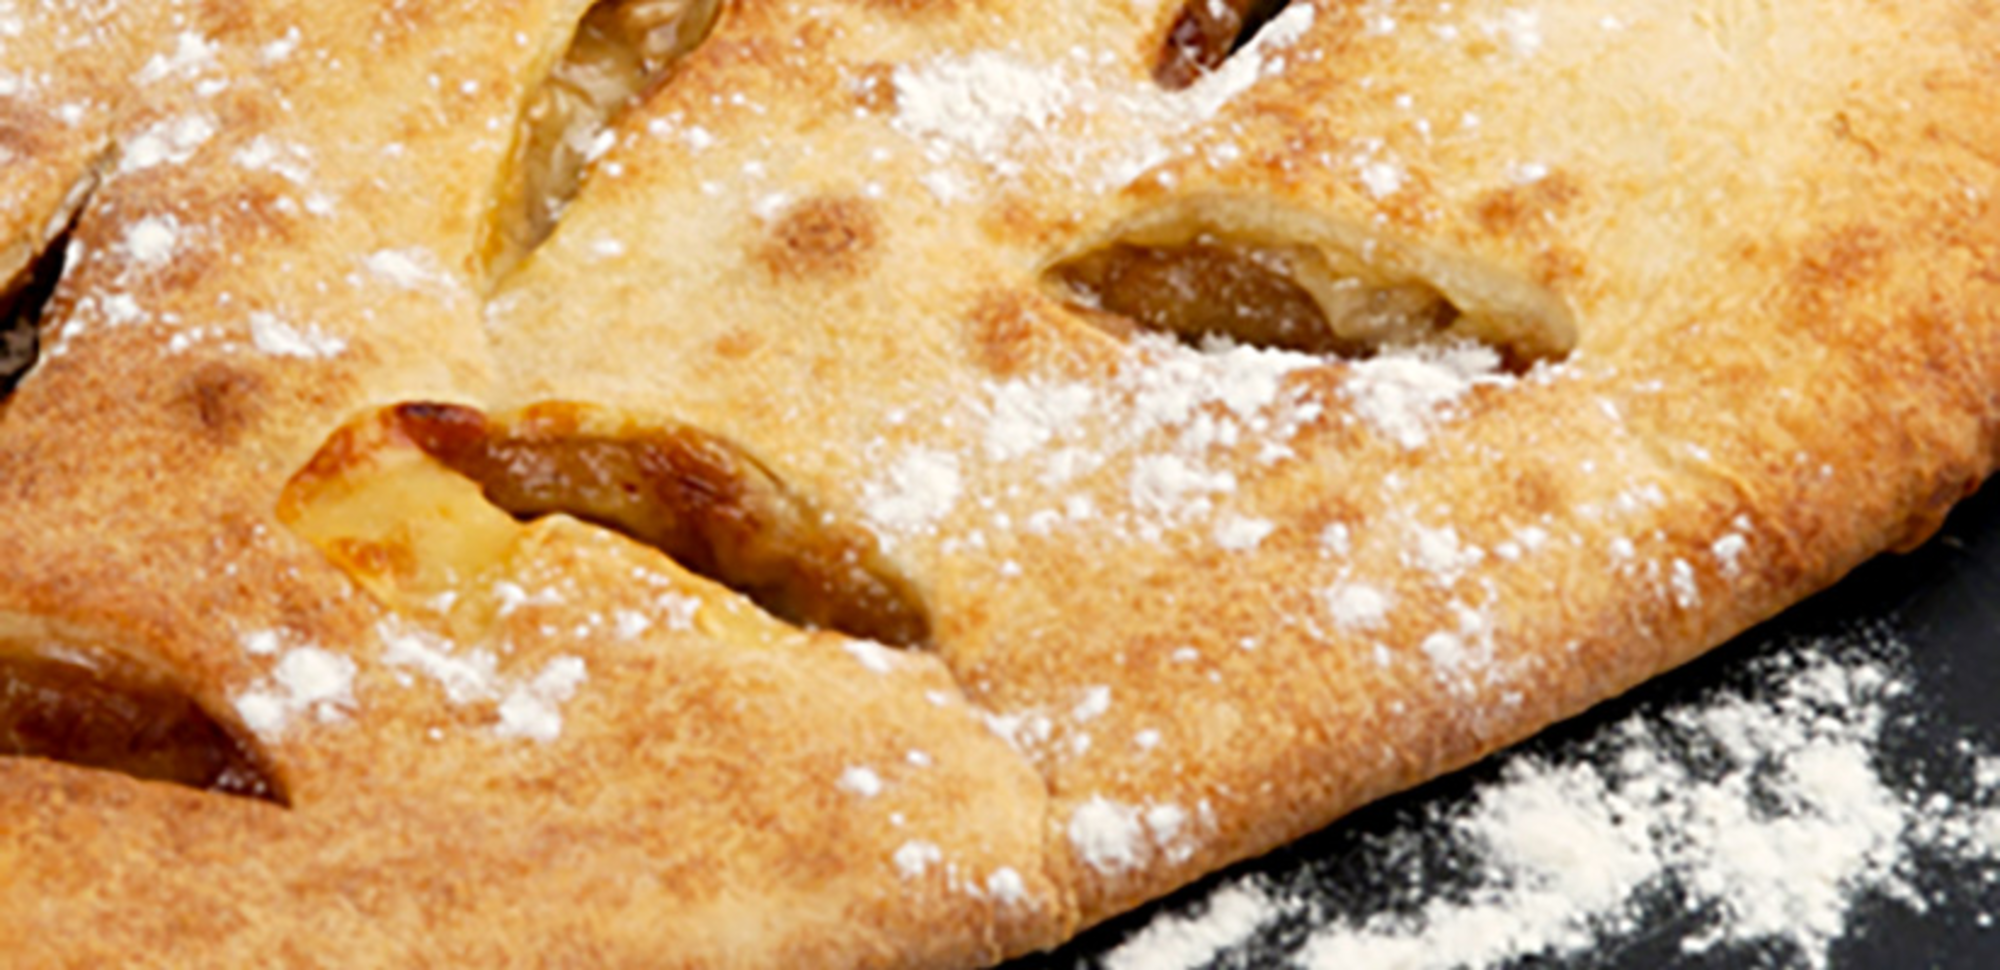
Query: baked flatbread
[{"x": 893, "y": 484}]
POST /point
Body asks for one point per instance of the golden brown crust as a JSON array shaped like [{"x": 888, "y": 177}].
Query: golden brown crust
[{"x": 1185, "y": 605}]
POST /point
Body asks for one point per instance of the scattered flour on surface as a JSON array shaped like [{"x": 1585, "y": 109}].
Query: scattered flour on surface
[
  {"x": 414, "y": 268},
  {"x": 529, "y": 708},
  {"x": 280, "y": 339},
  {"x": 921, "y": 488},
  {"x": 871, "y": 655},
  {"x": 1232, "y": 913},
  {"x": 1106, "y": 834},
  {"x": 1237, "y": 533},
  {"x": 151, "y": 241},
  {"x": 306, "y": 680},
  {"x": 1765, "y": 816},
  {"x": 1357, "y": 606},
  {"x": 914, "y": 857},
  {"x": 1171, "y": 423},
  {"x": 1096, "y": 700},
  {"x": 860, "y": 780},
  {"x": 534, "y": 709},
  {"x": 1402, "y": 394},
  {"x": 1007, "y": 886},
  {"x": 167, "y": 143},
  {"x": 1009, "y": 114}
]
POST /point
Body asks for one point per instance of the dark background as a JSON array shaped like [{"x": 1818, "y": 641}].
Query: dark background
[{"x": 1942, "y": 600}]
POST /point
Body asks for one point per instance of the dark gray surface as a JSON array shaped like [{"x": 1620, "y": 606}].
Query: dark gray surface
[{"x": 1943, "y": 601}]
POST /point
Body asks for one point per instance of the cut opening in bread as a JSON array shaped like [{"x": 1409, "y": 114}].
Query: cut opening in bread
[
  {"x": 1252, "y": 272},
  {"x": 622, "y": 49},
  {"x": 697, "y": 498},
  {"x": 1204, "y": 33},
  {"x": 67, "y": 701},
  {"x": 28, "y": 278}
]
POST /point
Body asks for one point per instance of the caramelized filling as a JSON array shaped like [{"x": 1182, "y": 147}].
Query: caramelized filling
[
  {"x": 1263, "y": 272},
  {"x": 96, "y": 712},
  {"x": 23, "y": 301},
  {"x": 1205, "y": 33},
  {"x": 1253, "y": 295},
  {"x": 621, "y": 50},
  {"x": 691, "y": 495},
  {"x": 1249, "y": 295}
]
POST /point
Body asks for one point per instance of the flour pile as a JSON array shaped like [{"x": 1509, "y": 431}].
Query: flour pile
[{"x": 1751, "y": 822}]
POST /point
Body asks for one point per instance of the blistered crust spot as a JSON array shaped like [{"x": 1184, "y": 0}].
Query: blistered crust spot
[
  {"x": 16, "y": 140},
  {"x": 922, "y": 8},
  {"x": 827, "y": 237},
  {"x": 738, "y": 343},
  {"x": 1002, "y": 332},
  {"x": 874, "y": 88},
  {"x": 1839, "y": 263},
  {"x": 223, "y": 400},
  {"x": 1515, "y": 209},
  {"x": 1559, "y": 268}
]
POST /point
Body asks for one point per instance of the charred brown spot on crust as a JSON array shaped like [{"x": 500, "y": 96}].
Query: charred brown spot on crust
[
  {"x": 822, "y": 237},
  {"x": 17, "y": 141},
  {"x": 621, "y": 52},
  {"x": 225, "y": 401},
  {"x": 259, "y": 213},
  {"x": 227, "y": 19},
  {"x": 94, "y": 710},
  {"x": 874, "y": 87},
  {"x": 1517, "y": 209},
  {"x": 1830, "y": 269},
  {"x": 738, "y": 344},
  {"x": 1205, "y": 33},
  {"x": 917, "y": 7},
  {"x": 1002, "y": 328},
  {"x": 694, "y": 496},
  {"x": 1843, "y": 259},
  {"x": 1559, "y": 267},
  {"x": 1843, "y": 129}
]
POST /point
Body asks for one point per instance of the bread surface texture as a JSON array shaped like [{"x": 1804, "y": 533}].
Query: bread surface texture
[{"x": 544, "y": 588}]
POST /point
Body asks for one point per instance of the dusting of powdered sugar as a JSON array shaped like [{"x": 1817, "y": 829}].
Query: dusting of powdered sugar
[
  {"x": 1175, "y": 428},
  {"x": 1761, "y": 817},
  {"x": 534, "y": 709},
  {"x": 306, "y": 680},
  {"x": 414, "y": 268},
  {"x": 529, "y": 707},
  {"x": 1010, "y": 114},
  {"x": 280, "y": 339},
  {"x": 1402, "y": 393},
  {"x": 170, "y": 142},
  {"x": 919, "y": 489},
  {"x": 1112, "y": 836},
  {"x": 1173, "y": 425},
  {"x": 1231, "y": 913}
]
